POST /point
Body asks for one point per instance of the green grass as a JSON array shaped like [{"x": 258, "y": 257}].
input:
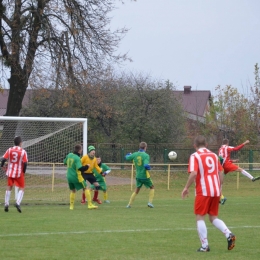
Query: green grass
[{"x": 168, "y": 231}]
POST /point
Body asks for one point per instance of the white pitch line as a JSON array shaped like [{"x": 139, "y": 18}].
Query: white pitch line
[{"x": 111, "y": 231}]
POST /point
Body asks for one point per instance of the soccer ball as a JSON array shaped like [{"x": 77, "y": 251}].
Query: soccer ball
[{"x": 172, "y": 155}]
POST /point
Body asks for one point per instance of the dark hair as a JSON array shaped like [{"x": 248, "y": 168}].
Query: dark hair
[
  {"x": 200, "y": 141},
  {"x": 143, "y": 145},
  {"x": 98, "y": 156},
  {"x": 17, "y": 140},
  {"x": 225, "y": 141},
  {"x": 77, "y": 148}
]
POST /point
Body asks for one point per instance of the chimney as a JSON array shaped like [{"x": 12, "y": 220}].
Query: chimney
[{"x": 187, "y": 89}]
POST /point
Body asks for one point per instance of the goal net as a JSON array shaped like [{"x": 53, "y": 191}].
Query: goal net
[{"x": 47, "y": 141}]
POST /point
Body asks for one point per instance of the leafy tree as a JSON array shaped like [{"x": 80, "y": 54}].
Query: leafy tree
[
  {"x": 230, "y": 116},
  {"x": 123, "y": 108},
  {"x": 151, "y": 112},
  {"x": 255, "y": 105}
]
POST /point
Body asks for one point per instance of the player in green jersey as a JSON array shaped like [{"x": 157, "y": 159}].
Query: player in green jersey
[
  {"x": 74, "y": 177},
  {"x": 101, "y": 181},
  {"x": 141, "y": 161}
]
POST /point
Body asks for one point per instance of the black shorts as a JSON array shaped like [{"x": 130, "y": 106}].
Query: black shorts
[{"x": 89, "y": 177}]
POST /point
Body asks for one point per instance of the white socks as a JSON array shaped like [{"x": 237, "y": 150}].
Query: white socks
[
  {"x": 202, "y": 231},
  {"x": 19, "y": 197},
  {"x": 219, "y": 224},
  {"x": 7, "y": 197},
  {"x": 247, "y": 174},
  {"x": 16, "y": 189}
]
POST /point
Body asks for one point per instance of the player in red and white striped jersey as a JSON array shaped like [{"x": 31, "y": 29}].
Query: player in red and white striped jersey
[
  {"x": 228, "y": 164},
  {"x": 17, "y": 163},
  {"x": 207, "y": 173},
  {"x": 208, "y": 166}
]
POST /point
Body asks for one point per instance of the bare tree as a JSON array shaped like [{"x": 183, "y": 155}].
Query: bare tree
[{"x": 37, "y": 34}]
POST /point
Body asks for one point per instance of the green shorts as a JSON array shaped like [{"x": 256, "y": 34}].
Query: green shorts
[
  {"x": 148, "y": 183},
  {"x": 77, "y": 185}
]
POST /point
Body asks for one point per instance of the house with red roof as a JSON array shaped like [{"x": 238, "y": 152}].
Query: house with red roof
[{"x": 195, "y": 103}]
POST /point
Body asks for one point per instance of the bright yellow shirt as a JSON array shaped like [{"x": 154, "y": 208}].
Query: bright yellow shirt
[{"x": 92, "y": 164}]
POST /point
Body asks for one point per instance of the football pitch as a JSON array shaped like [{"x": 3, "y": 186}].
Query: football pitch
[{"x": 167, "y": 231}]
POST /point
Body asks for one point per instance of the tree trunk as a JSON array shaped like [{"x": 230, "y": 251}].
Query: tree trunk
[
  {"x": 17, "y": 91},
  {"x": 18, "y": 86}
]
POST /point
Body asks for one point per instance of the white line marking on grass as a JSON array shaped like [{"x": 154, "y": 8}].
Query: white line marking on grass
[{"x": 111, "y": 231}]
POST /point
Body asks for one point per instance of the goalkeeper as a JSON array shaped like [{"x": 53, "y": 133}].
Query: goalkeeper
[
  {"x": 101, "y": 180},
  {"x": 74, "y": 177},
  {"x": 88, "y": 175}
]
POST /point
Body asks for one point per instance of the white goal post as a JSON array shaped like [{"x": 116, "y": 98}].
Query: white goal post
[
  {"x": 50, "y": 119},
  {"x": 47, "y": 141}
]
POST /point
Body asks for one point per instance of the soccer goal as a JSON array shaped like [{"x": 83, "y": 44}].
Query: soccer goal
[{"x": 47, "y": 141}]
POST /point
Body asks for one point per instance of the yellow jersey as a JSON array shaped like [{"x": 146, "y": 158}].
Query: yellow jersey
[{"x": 92, "y": 164}]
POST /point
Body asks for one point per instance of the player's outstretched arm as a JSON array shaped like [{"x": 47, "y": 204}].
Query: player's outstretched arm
[
  {"x": 240, "y": 146},
  {"x": 128, "y": 156},
  {"x": 84, "y": 168},
  {"x": 106, "y": 172}
]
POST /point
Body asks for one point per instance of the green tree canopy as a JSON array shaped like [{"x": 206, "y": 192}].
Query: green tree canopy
[
  {"x": 231, "y": 116},
  {"x": 125, "y": 108}
]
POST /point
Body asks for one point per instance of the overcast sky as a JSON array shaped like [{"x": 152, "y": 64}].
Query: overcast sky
[{"x": 200, "y": 43}]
